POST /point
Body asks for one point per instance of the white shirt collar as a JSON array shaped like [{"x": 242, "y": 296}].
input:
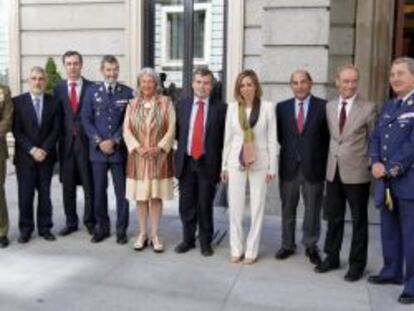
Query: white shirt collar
[
  {"x": 349, "y": 101},
  {"x": 78, "y": 82},
  {"x": 196, "y": 100},
  {"x": 107, "y": 84},
  {"x": 33, "y": 96},
  {"x": 304, "y": 101},
  {"x": 406, "y": 97}
]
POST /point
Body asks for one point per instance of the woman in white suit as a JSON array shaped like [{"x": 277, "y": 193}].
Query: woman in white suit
[{"x": 249, "y": 158}]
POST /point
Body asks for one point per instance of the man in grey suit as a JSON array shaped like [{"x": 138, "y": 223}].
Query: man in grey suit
[{"x": 350, "y": 121}]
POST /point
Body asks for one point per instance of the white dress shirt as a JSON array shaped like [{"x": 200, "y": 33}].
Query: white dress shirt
[
  {"x": 79, "y": 83},
  {"x": 349, "y": 101}
]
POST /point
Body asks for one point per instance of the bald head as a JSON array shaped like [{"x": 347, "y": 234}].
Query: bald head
[{"x": 301, "y": 84}]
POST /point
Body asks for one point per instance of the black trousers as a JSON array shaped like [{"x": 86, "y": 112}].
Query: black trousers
[
  {"x": 357, "y": 195},
  {"x": 196, "y": 203},
  {"x": 76, "y": 166},
  {"x": 32, "y": 177}
]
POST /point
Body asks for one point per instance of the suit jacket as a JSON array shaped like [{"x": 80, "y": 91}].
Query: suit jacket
[
  {"x": 102, "y": 118},
  {"x": 310, "y": 148},
  {"x": 392, "y": 144},
  {"x": 29, "y": 134},
  {"x": 70, "y": 122},
  {"x": 6, "y": 118},
  {"x": 349, "y": 151},
  {"x": 210, "y": 163},
  {"x": 265, "y": 144}
]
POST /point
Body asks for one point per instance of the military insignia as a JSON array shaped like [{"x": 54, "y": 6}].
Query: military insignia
[
  {"x": 410, "y": 102},
  {"x": 408, "y": 115},
  {"x": 394, "y": 171},
  {"x": 98, "y": 99},
  {"x": 101, "y": 89},
  {"x": 2, "y": 96}
]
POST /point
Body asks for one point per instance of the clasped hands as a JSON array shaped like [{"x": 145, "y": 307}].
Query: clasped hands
[
  {"x": 149, "y": 152},
  {"x": 378, "y": 170},
  {"x": 38, "y": 154},
  {"x": 107, "y": 146}
]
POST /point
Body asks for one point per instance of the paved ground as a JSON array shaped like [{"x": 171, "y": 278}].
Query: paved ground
[{"x": 73, "y": 274}]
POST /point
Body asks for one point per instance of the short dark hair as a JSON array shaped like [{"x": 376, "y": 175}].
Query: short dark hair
[
  {"x": 110, "y": 59},
  {"x": 204, "y": 72},
  {"x": 72, "y": 53}
]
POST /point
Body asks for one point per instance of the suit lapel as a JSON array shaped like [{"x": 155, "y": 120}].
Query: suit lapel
[
  {"x": 292, "y": 116},
  {"x": 31, "y": 110},
  {"x": 332, "y": 110},
  {"x": 210, "y": 115},
  {"x": 82, "y": 94},
  {"x": 187, "y": 115},
  {"x": 311, "y": 114}
]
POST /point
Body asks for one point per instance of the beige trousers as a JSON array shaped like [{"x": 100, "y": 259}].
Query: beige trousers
[{"x": 238, "y": 181}]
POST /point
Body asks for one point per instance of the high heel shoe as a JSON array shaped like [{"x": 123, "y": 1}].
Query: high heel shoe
[
  {"x": 249, "y": 261},
  {"x": 156, "y": 244},
  {"x": 141, "y": 242},
  {"x": 236, "y": 259}
]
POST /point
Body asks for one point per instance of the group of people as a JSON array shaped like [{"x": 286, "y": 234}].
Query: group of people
[{"x": 340, "y": 146}]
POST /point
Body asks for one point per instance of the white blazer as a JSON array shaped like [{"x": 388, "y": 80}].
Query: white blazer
[{"x": 265, "y": 143}]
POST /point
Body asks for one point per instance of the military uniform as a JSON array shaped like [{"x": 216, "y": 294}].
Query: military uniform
[
  {"x": 6, "y": 117},
  {"x": 102, "y": 118},
  {"x": 392, "y": 144}
]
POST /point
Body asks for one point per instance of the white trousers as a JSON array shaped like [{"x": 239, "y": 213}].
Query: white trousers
[{"x": 238, "y": 181}]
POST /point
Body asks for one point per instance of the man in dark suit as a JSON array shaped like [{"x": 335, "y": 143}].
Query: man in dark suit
[
  {"x": 303, "y": 136},
  {"x": 36, "y": 130},
  {"x": 6, "y": 117},
  {"x": 102, "y": 118},
  {"x": 75, "y": 168},
  {"x": 200, "y": 134}
]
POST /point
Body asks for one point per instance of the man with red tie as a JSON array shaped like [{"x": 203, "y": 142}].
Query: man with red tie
[
  {"x": 200, "y": 134},
  {"x": 75, "y": 168},
  {"x": 350, "y": 121},
  {"x": 303, "y": 135}
]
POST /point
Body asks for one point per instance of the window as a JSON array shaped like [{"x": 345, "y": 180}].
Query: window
[{"x": 172, "y": 35}]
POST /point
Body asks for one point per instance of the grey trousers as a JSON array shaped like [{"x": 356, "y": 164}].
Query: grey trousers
[{"x": 312, "y": 193}]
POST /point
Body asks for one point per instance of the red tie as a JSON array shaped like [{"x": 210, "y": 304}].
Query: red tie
[
  {"x": 342, "y": 117},
  {"x": 73, "y": 97},
  {"x": 301, "y": 118},
  {"x": 198, "y": 132}
]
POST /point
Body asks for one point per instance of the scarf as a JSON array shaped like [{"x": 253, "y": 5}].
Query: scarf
[{"x": 247, "y": 154}]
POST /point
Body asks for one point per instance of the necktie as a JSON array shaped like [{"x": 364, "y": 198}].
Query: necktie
[
  {"x": 342, "y": 117},
  {"x": 110, "y": 91},
  {"x": 300, "y": 121},
  {"x": 73, "y": 97},
  {"x": 38, "y": 110},
  {"x": 198, "y": 132}
]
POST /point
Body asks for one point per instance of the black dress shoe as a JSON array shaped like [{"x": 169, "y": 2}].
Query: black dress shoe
[
  {"x": 406, "y": 299},
  {"x": 67, "y": 230},
  {"x": 284, "y": 253},
  {"x": 99, "y": 237},
  {"x": 326, "y": 266},
  {"x": 184, "y": 247},
  {"x": 4, "y": 242},
  {"x": 207, "y": 251},
  {"x": 353, "y": 276},
  {"x": 24, "y": 238},
  {"x": 121, "y": 239},
  {"x": 313, "y": 254},
  {"x": 379, "y": 280},
  {"x": 48, "y": 236}
]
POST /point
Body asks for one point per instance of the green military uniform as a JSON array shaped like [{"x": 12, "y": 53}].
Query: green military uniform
[{"x": 6, "y": 117}]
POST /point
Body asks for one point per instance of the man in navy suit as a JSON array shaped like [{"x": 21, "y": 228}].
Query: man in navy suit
[
  {"x": 303, "y": 136},
  {"x": 36, "y": 130},
  {"x": 392, "y": 156},
  {"x": 102, "y": 117},
  {"x": 75, "y": 168},
  {"x": 198, "y": 160}
]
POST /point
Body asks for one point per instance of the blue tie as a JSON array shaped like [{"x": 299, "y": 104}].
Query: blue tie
[{"x": 38, "y": 110}]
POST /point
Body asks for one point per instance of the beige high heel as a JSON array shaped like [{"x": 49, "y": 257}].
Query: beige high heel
[
  {"x": 157, "y": 246},
  {"x": 141, "y": 242},
  {"x": 249, "y": 261}
]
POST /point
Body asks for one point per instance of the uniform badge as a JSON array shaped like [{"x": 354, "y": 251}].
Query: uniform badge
[
  {"x": 98, "y": 99},
  {"x": 410, "y": 102},
  {"x": 101, "y": 89},
  {"x": 2, "y": 96}
]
